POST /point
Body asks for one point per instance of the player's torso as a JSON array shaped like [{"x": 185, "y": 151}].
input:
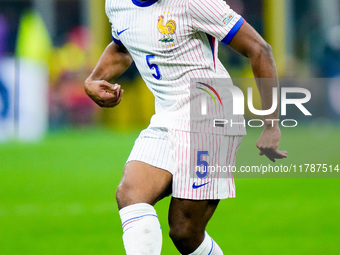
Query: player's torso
[
  {"x": 168, "y": 52},
  {"x": 160, "y": 39}
]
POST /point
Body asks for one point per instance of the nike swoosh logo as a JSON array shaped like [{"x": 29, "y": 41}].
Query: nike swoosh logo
[
  {"x": 122, "y": 31},
  {"x": 194, "y": 186}
]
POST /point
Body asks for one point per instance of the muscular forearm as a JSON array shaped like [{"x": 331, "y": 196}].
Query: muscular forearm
[
  {"x": 114, "y": 61},
  {"x": 264, "y": 69},
  {"x": 250, "y": 44}
]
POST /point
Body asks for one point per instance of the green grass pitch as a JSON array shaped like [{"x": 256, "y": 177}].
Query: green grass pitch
[{"x": 57, "y": 197}]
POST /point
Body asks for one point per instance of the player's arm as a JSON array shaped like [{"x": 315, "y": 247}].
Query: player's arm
[
  {"x": 114, "y": 61},
  {"x": 251, "y": 45}
]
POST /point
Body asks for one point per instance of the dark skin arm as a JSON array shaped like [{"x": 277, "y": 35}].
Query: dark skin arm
[
  {"x": 250, "y": 44},
  {"x": 114, "y": 61}
]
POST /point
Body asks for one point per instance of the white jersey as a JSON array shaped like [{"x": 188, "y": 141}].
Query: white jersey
[{"x": 172, "y": 42}]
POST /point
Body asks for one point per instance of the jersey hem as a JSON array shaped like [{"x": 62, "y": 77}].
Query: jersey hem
[
  {"x": 216, "y": 197},
  {"x": 228, "y": 132},
  {"x": 116, "y": 41}
]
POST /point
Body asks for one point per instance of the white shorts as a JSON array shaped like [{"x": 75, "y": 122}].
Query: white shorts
[{"x": 180, "y": 153}]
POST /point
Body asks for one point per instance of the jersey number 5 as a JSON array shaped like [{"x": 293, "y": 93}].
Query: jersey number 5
[
  {"x": 200, "y": 162},
  {"x": 155, "y": 67}
]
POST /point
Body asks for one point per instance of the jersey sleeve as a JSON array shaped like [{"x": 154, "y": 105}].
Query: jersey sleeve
[
  {"x": 215, "y": 18},
  {"x": 114, "y": 34}
]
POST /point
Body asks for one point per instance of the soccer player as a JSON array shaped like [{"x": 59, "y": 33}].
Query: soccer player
[{"x": 171, "y": 43}]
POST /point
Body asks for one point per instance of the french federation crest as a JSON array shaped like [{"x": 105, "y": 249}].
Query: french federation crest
[{"x": 166, "y": 30}]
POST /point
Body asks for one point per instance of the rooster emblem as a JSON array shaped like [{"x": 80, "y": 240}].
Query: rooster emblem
[{"x": 167, "y": 30}]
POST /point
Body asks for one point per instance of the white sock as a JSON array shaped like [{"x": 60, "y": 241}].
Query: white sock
[
  {"x": 208, "y": 247},
  {"x": 142, "y": 232}
]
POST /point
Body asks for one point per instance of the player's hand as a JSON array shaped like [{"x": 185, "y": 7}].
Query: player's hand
[
  {"x": 103, "y": 93},
  {"x": 268, "y": 144}
]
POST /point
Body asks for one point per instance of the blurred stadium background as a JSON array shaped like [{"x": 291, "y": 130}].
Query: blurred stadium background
[{"x": 61, "y": 156}]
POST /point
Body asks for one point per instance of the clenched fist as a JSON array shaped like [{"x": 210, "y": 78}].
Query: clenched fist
[{"x": 103, "y": 93}]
